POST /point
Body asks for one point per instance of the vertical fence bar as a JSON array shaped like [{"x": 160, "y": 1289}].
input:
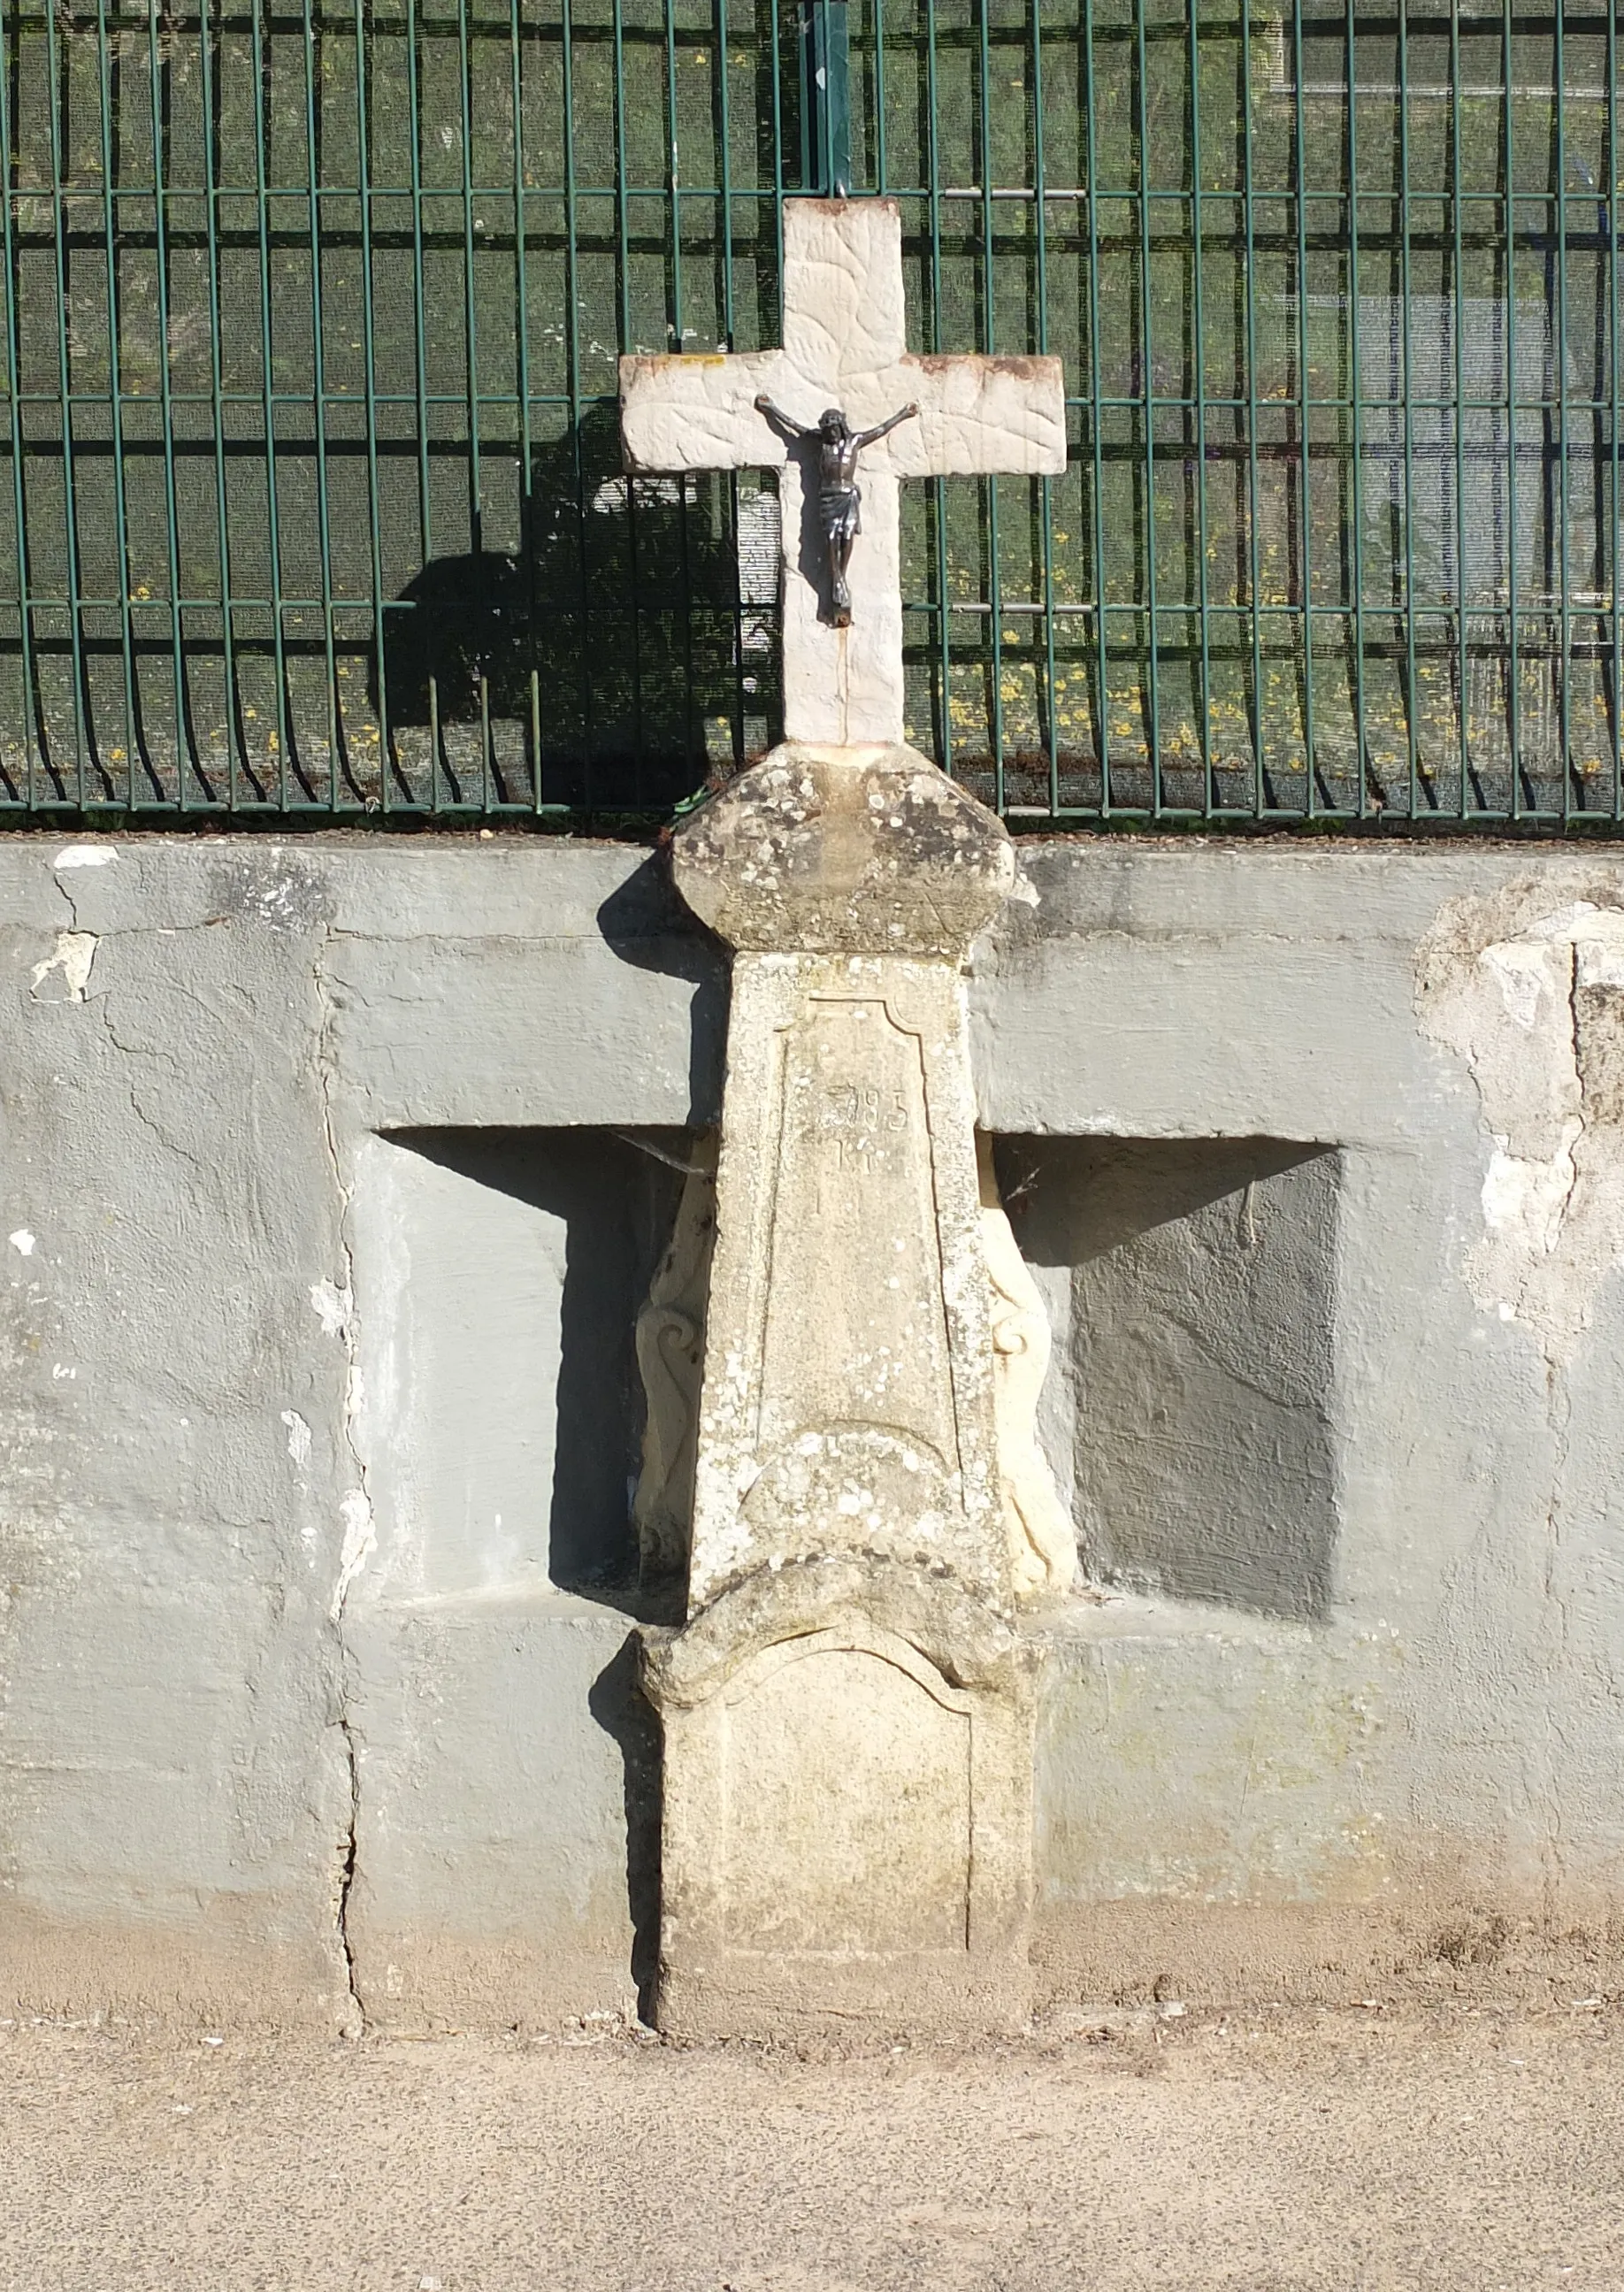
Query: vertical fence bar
[
  {"x": 470, "y": 380},
  {"x": 33, "y": 731},
  {"x": 725, "y": 173},
  {"x": 776, "y": 58},
  {"x": 114, "y": 400},
  {"x": 812, "y": 162},
  {"x": 827, "y": 97},
  {"x": 995, "y": 592},
  {"x": 1096, "y": 414},
  {"x": 1514, "y": 671},
  {"x": 1311, "y": 762},
  {"x": 1199, "y": 322},
  {"x": 387, "y": 764},
  {"x": 673, "y": 189},
  {"x": 1457, "y": 331},
  {"x": 572, "y": 352},
  {"x": 1046, "y": 486},
  {"x": 1356, "y": 361},
  {"x": 1406, "y": 274},
  {"x": 678, "y": 339},
  {"x": 160, "y": 232},
  {"x": 725, "y": 176},
  {"x": 369, "y": 379},
  {"x": 319, "y": 375},
  {"x": 775, "y": 52},
  {"x": 1565, "y": 694},
  {"x": 522, "y": 382},
  {"x": 882, "y": 159},
  {"x": 237, "y": 742},
  {"x": 1147, "y": 399},
  {"x": 83, "y": 721},
  {"x": 623, "y": 242},
  {"x": 1618, "y": 406},
  {"x": 273, "y": 531},
  {"x": 939, "y": 498},
  {"x": 1250, "y": 290}
]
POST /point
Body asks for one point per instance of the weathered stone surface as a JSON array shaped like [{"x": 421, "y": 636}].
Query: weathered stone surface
[
  {"x": 670, "y": 1349},
  {"x": 1526, "y": 987},
  {"x": 848, "y": 1397},
  {"x": 844, "y": 344},
  {"x": 847, "y": 1804},
  {"x": 848, "y": 1394},
  {"x": 863, "y": 851},
  {"x": 1042, "y": 1536},
  {"x": 847, "y": 1760}
]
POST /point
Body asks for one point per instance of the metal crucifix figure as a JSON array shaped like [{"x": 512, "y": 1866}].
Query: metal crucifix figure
[{"x": 840, "y": 495}]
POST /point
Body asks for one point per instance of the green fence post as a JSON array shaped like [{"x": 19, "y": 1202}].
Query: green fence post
[{"x": 825, "y": 99}]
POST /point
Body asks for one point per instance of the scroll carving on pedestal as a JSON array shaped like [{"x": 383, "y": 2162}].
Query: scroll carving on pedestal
[
  {"x": 670, "y": 1357},
  {"x": 670, "y": 1340},
  {"x": 1042, "y": 1540}
]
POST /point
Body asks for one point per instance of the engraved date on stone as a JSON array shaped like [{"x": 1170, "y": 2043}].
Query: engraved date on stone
[{"x": 860, "y": 1121}]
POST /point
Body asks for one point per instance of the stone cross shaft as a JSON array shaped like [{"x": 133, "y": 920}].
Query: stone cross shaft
[{"x": 845, "y": 345}]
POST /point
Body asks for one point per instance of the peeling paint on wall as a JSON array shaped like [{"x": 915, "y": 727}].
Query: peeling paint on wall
[
  {"x": 335, "y": 1308},
  {"x": 73, "y": 956},
  {"x": 1530, "y": 994},
  {"x": 360, "y": 1542}
]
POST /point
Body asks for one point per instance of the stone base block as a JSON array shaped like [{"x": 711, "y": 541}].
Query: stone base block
[
  {"x": 847, "y": 1807},
  {"x": 783, "y": 2000}
]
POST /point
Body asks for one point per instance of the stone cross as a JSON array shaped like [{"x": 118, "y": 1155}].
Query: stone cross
[
  {"x": 856, "y": 1504},
  {"x": 845, "y": 345}
]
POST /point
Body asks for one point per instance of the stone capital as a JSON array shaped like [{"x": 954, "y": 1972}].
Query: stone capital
[{"x": 865, "y": 851}]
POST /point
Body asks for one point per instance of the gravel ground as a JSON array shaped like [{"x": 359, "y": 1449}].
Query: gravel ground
[{"x": 1459, "y": 2149}]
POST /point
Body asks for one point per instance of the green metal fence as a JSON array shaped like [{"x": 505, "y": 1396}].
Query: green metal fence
[{"x": 311, "y": 501}]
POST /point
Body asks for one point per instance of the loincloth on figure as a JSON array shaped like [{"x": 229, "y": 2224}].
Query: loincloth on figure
[{"x": 840, "y": 512}]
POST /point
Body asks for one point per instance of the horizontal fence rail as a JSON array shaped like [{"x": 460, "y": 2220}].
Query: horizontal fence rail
[{"x": 311, "y": 503}]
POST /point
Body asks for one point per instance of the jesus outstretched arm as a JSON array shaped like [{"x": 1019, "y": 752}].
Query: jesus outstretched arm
[
  {"x": 763, "y": 405},
  {"x": 867, "y": 437}
]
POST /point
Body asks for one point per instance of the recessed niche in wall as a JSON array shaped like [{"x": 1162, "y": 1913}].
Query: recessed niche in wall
[
  {"x": 1191, "y": 1286},
  {"x": 499, "y": 1275}
]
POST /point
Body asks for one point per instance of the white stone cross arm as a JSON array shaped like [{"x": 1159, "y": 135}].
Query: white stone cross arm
[{"x": 845, "y": 345}]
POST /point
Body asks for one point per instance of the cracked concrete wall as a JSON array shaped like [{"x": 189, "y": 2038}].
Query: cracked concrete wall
[{"x": 300, "y": 1139}]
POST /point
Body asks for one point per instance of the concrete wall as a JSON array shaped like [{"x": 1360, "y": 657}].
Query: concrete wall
[{"x": 333, "y": 1172}]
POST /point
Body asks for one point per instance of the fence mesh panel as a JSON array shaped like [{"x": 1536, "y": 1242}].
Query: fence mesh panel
[{"x": 311, "y": 502}]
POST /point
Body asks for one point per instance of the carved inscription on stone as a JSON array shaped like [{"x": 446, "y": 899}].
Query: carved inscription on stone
[
  {"x": 864, "y": 1123},
  {"x": 854, "y": 1247}
]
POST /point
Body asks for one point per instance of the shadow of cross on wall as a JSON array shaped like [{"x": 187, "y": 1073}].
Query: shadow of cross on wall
[{"x": 628, "y": 644}]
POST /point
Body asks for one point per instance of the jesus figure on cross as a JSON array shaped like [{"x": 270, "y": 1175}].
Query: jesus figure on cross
[
  {"x": 840, "y": 495},
  {"x": 845, "y": 350}
]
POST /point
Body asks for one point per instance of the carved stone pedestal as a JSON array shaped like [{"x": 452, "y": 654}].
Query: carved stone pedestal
[{"x": 847, "y": 1709}]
